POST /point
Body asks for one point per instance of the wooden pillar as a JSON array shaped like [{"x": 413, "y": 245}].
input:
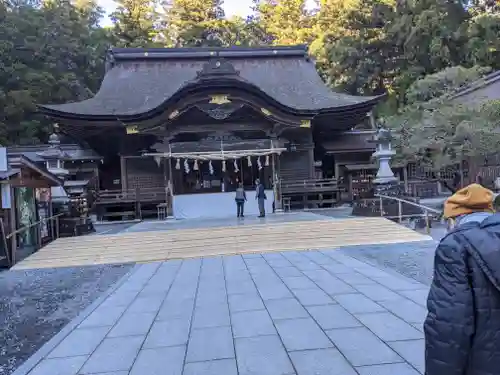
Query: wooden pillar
[
  {"x": 13, "y": 224},
  {"x": 405, "y": 177},
  {"x": 123, "y": 172}
]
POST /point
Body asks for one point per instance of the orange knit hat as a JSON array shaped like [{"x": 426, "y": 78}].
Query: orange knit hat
[{"x": 472, "y": 198}]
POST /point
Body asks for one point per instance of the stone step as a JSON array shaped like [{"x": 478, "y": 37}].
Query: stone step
[{"x": 189, "y": 243}]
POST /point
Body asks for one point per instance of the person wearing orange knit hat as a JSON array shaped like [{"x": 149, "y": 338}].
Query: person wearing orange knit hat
[{"x": 462, "y": 329}]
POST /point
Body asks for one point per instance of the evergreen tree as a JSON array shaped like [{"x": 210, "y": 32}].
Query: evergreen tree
[{"x": 136, "y": 23}]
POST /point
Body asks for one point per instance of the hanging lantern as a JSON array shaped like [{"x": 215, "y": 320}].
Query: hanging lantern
[
  {"x": 178, "y": 164},
  {"x": 223, "y": 165},
  {"x": 259, "y": 164},
  {"x": 267, "y": 161},
  {"x": 210, "y": 167},
  {"x": 236, "y": 166},
  {"x": 195, "y": 165},
  {"x": 249, "y": 160},
  {"x": 186, "y": 166}
]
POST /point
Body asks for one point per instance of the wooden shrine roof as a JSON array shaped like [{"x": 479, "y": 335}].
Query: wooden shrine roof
[{"x": 139, "y": 81}]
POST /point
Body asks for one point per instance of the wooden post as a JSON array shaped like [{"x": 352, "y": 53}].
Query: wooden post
[
  {"x": 400, "y": 211},
  {"x": 405, "y": 177},
  {"x": 13, "y": 224},
  {"x": 123, "y": 172},
  {"x": 277, "y": 194},
  {"x": 381, "y": 207}
]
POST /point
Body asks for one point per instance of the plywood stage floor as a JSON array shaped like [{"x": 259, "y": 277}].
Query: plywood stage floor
[{"x": 188, "y": 243}]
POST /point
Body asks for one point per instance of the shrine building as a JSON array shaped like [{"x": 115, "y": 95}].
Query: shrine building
[{"x": 183, "y": 126}]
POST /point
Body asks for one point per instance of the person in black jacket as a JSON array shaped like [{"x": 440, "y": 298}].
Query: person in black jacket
[{"x": 462, "y": 329}]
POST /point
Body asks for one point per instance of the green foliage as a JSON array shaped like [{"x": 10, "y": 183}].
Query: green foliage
[
  {"x": 438, "y": 130},
  {"x": 418, "y": 51}
]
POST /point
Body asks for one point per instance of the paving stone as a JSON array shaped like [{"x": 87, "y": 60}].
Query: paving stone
[
  {"x": 211, "y": 316},
  {"x": 321, "y": 362},
  {"x": 370, "y": 271},
  {"x": 262, "y": 355},
  {"x": 302, "y": 334},
  {"x": 219, "y": 367},
  {"x": 412, "y": 351},
  {"x": 288, "y": 272},
  {"x": 114, "y": 354},
  {"x": 182, "y": 291},
  {"x": 82, "y": 341},
  {"x": 132, "y": 324},
  {"x": 397, "y": 283},
  {"x": 301, "y": 282},
  {"x": 209, "y": 344},
  {"x": 241, "y": 287},
  {"x": 251, "y": 256},
  {"x": 361, "y": 347},
  {"x": 252, "y": 323},
  {"x": 103, "y": 316},
  {"x": 418, "y": 296},
  {"x": 279, "y": 263},
  {"x": 172, "y": 332},
  {"x": 354, "y": 278},
  {"x": 245, "y": 302},
  {"x": 358, "y": 303},
  {"x": 334, "y": 286},
  {"x": 388, "y": 369},
  {"x": 112, "y": 373},
  {"x": 333, "y": 316},
  {"x": 146, "y": 304},
  {"x": 389, "y": 327},
  {"x": 286, "y": 309},
  {"x": 120, "y": 299},
  {"x": 209, "y": 298},
  {"x": 319, "y": 275},
  {"x": 59, "y": 366},
  {"x": 307, "y": 265},
  {"x": 319, "y": 258},
  {"x": 160, "y": 361},
  {"x": 377, "y": 292},
  {"x": 274, "y": 291},
  {"x": 313, "y": 297},
  {"x": 407, "y": 310},
  {"x": 176, "y": 309},
  {"x": 338, "y": 269}
]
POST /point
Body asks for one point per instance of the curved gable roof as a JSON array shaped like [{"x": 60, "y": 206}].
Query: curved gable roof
[{"x": 141, "y": 80}]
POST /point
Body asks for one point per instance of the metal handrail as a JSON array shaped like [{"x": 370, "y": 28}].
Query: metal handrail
[
  {"x": 26, "y": 227},
  {"x": 400, "y": 216}
]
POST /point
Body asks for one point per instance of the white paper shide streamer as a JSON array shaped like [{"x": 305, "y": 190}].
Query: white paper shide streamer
[
  {"x": 249, "y": 160},
  {"x": 210, "y": 167},
  {"x": 259, "y": 164},
  {"x": 223, "y": 165},
  {"x": 178, "y": 164},
  {"x": 267, "y": 161},
  {"x": 186, "y": 166},
  {"x": 195, "y": 165},
  {"x": 236, "y": 169}
]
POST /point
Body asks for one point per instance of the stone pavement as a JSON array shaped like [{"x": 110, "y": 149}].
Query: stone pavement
[{"x": 303, "y": 313}]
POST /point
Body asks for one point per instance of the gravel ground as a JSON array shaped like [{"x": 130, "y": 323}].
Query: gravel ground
[
  {"x": 412, "y": 259},
  {"x": 36, "y": 304}
]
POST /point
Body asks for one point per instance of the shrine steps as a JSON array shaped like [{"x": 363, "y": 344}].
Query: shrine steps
[{"x": 189, "y": 243}]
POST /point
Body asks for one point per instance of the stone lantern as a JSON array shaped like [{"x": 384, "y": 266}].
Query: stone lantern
[
  {"x": 54, "y": 157},
  {"x": 383, "y": 155}
]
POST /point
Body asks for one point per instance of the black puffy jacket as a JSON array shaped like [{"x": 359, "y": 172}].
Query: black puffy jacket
[{"x": 462, "y": 330}]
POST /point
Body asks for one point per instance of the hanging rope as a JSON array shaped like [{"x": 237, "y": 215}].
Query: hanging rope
[
  {"x": 236, "y": 169},
  {"x": 186, "y": 166},
  {"x": 210, "y": 167},
  {"x": 178, "y": 164}
]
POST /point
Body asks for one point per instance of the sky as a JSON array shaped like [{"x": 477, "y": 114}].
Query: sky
[{"x": 231, "y": 7}]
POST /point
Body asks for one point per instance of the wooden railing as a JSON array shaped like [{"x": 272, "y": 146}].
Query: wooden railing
[
  {"x": 144, "y": 195},
  {"x": 428, "y": 213},
  {"x": 310, "y": 186},
  {"x": 53, "y": 234}
]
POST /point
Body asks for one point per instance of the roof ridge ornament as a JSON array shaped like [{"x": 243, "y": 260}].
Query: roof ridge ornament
[{"x": 217, "y": 67}]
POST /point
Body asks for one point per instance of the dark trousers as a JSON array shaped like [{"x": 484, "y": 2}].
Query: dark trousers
[
  {"x": 240, "y": 208},
  {"x": 262, "y": 208}
]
